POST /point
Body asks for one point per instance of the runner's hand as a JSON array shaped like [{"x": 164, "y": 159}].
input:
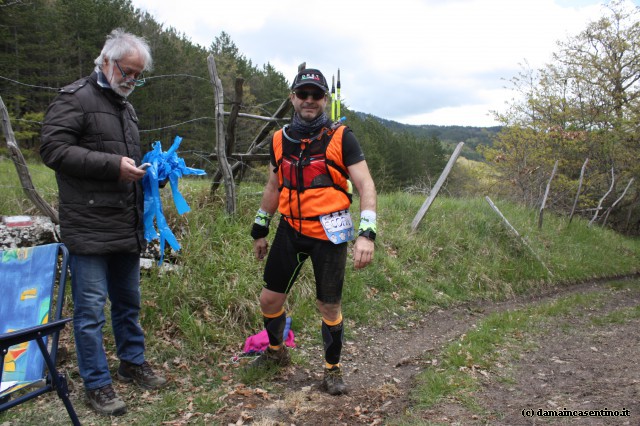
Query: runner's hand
[
  {"x": 362, "y": 252},
  {"x": 260, "y": 248}
]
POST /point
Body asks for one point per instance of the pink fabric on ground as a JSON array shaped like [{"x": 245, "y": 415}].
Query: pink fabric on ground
[{"x": 259, "y": 342}]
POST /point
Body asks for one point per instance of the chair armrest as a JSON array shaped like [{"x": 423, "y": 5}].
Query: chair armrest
[{"x": 27, "y": 334}]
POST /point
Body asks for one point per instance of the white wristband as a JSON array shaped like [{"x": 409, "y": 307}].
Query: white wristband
[{"x": 368, "y": 215}]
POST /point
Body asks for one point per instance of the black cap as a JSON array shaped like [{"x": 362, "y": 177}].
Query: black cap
[{"x": 310, "y": 76}]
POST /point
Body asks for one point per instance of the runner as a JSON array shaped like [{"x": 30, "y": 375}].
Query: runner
[{"x": 314, "y": 162}]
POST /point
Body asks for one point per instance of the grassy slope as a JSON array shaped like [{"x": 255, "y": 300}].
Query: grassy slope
[{"x": 201, "y": 314}]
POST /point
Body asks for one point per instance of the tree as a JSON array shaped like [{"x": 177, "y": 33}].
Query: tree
[
  {"x": 47, "y": 44},
  {"x": 585, "y": 104}
]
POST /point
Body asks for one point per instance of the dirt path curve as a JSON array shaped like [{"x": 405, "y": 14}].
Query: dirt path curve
[{"x": 585, "y": 369}]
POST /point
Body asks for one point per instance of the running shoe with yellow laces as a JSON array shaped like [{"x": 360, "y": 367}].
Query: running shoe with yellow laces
[{"x": 333, "y": 383}]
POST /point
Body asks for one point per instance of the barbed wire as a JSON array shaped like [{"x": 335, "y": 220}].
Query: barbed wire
[
  {"x": 175, "y": 125},
  {"x": 260, "y": 107},
  {"x": 29, "y": 85},
  {"x": 141, "y": 131},
  {"x": 175, "y": 75}
]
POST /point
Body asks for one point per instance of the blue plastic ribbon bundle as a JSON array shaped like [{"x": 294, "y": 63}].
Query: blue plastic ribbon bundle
[{"x": 164, "y": 165}]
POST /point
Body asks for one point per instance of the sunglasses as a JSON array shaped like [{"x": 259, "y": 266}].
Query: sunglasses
[{"x": 304, "y": 94}]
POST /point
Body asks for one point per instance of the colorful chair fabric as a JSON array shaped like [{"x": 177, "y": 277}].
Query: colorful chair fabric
[{"x": 30, "y": 324}]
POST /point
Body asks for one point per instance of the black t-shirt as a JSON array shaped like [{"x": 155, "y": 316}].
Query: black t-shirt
[{"x": 351, "y": 150}]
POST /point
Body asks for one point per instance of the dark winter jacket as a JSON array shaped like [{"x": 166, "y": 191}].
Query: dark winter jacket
[{"x": 87, "y": 130}]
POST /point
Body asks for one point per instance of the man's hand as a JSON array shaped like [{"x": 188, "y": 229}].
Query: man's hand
[
  {"x": 128, "y": 170},
  {"x": 362, "y": 252},
  {"x": 260, "y": 248}
]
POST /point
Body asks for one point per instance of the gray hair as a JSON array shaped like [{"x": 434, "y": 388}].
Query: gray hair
[{"x": 120, "y": 44}]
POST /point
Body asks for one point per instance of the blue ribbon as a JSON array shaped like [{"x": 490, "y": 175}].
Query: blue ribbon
[{"x": 164, "y": 166}]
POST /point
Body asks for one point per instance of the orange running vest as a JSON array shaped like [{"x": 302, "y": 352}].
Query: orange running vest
[{"x": 313, "y": 180}]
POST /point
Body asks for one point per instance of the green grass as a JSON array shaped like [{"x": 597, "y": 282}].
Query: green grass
[
  {"x": 14, "y": 201},
  {"x": 617, "y": 317},
  {"x": 198, "y": 316}
]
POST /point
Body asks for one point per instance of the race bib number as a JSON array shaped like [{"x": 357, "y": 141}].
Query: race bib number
[{"x": 338, "y": 226}]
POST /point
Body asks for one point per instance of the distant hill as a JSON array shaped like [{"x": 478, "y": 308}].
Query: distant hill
[{"x": 448, "y": 135}]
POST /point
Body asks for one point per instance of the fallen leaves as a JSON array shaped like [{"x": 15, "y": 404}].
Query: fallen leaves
[{"x": 245, "y": 391}]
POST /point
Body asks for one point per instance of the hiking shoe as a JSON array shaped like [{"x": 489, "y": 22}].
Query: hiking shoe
[
  {"x": 105, "y": 401},
  {"x": 273, "y": 357},
  {"x": 141, "y": 374},
  {"x": 332, "y": 383}
]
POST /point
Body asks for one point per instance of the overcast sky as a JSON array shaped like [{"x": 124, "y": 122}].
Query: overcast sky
[{"x": 443, "y": 62}]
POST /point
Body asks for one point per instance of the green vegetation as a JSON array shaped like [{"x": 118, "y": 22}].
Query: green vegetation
[
  {"x": 197, "y": 317},
  {"x": 46, "y": 45},
  {"x": 581, "y": 105},
  {"x": 449, "y": 135}
]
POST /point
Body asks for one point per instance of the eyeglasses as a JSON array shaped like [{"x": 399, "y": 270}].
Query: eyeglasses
[
  {"x": 136, "y": 81},
  {"x": 304, "y": 94}
]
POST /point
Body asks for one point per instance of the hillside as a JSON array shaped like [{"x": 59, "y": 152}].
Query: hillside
[
  {"x": 448, "y": 135},
  {"x": 423, "y": 291}
]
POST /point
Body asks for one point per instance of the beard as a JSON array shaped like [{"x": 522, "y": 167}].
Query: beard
[{"x": 123, "y": 90}]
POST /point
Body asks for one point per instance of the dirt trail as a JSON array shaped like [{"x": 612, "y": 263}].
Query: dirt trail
[{"x": 577, "y": 366}]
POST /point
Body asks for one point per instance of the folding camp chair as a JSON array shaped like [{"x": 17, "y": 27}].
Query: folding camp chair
[{"x": 27, "y": 280}]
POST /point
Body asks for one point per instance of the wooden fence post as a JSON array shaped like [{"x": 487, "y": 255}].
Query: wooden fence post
[
  {"x": 233, "y": 116},
  {"x": 575, "y": 202},
  {"x": 434, "y": 191},
  {"x": 595, "y": 215},
  {"x": 616, "y": 202},
  {"x": 517, "y": 234},
  {"x": 546, "y": 194},
  {"x": 22, "y": 169},
  {"x": 225, "y": 168},
  {"x": 230, "y": 134}
]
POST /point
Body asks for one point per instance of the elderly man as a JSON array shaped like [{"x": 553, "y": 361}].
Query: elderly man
[
  {"x": 90, "y": 138},
  {"x": 313, "y": 163}
]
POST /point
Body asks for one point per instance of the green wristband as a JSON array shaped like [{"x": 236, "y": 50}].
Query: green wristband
[{"x": 263, "y": 218}]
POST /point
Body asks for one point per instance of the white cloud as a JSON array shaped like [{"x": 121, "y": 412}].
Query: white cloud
[{"x": 415, "y": 61}]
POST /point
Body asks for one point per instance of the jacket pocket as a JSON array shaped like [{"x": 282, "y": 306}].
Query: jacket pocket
[{"x": 116, "y": 200}]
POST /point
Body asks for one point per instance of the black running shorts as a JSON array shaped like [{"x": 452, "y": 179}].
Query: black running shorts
[{"x": 288, "y": 253}]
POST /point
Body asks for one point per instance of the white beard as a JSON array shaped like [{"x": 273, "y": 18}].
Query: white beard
[{"x": 123, "y": 89}]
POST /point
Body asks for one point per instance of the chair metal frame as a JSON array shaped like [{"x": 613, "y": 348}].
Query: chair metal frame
[{"x": 53, "y": 380}]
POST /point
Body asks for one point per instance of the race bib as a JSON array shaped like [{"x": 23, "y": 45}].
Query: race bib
[{"x": 338, "y": 226}]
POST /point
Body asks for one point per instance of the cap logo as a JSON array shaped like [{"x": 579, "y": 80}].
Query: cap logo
[{"x": 310, "y": 77}]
